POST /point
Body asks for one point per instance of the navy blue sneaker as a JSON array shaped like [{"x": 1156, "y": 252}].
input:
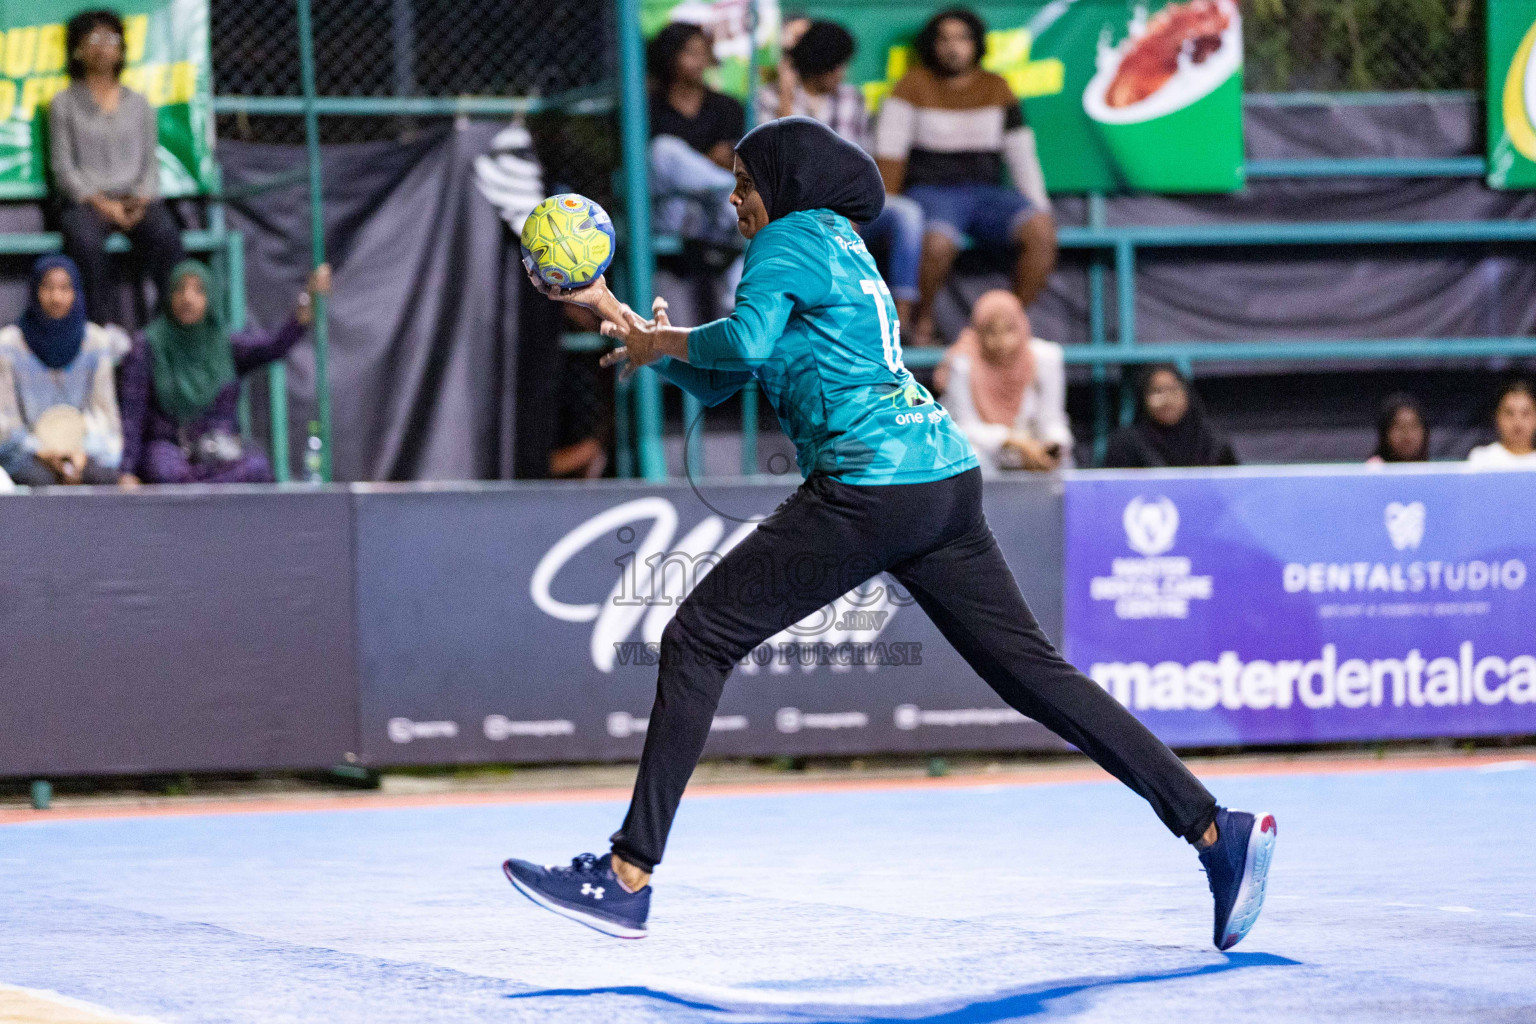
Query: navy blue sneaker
[
  {"x": 588, "y": 891},
  {"x": 1237, "y": 865}
]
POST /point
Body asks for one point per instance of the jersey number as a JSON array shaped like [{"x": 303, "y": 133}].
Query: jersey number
[{"x": 890, "y": 330}]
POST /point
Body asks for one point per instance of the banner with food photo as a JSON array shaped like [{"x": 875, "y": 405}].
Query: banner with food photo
[
  {"x": 1511, "y": 94},
  {"x": 1123, "y": 96}
]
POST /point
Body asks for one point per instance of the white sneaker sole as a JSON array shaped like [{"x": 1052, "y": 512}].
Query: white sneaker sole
[
  {"x": 1250, "y": 894},
  {"x": 618, "y": 931}
]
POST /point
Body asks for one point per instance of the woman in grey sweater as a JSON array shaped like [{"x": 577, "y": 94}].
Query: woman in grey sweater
[{"x": 103, "y": 146}]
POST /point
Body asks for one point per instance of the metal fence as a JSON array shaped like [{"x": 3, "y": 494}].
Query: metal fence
[
  {"x": 1363, "y": 45},
  {"x": 391, "y": 69},
  {"x": 388, "y": 69}
]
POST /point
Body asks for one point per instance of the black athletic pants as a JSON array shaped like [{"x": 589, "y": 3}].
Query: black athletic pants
[
  {"x": 826, "y": 539},
  {"x": 156, "y": 243}
]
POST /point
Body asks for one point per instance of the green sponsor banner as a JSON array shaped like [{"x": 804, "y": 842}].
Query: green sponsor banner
[
  {"x": 168, "y": 62},
  {"x": 1511, "y": 94},
  {"x": 1122, "y": 95}
]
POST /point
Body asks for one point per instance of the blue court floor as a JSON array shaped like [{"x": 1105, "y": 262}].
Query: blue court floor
[{"x": 1405, "y": 895}]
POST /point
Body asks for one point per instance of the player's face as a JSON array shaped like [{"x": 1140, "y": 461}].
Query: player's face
[
  {"x": 189, "y": 300},
  {"x": 954, "y": 47},
  {"x": 751, "y": 214},
  {"x": 56, "y": 294},
  {"x": 1516, "y": 422},
  {"x": 1406, "y": 435},
  {"x": 1167, "y": 401}
]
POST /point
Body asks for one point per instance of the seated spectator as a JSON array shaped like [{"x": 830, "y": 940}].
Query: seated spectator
[
  {"x": 59, "y": 421},
  {"x": 1171, "y": 428},
  {"x": 944, "y": 137},
  {"x": 693, "y": 134},
  {"x": 1402, "y": 435},
  {"x": 102, "y": 153},
  {"x": 1515, "y": 421},
  {"x": 1007, "y": 389},
  {"x": 812, "y": 82},
  {"x": 181, "y": 383}
]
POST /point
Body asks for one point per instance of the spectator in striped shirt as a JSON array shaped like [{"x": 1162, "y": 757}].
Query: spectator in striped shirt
[
  {"x": 812, "y": 82},
  {"x": 945, "y": 136}
]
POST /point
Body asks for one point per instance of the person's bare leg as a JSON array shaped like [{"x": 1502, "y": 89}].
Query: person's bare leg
[
  {"x": 1036, "y": 239},
  {"x": 939, "y": 252}
]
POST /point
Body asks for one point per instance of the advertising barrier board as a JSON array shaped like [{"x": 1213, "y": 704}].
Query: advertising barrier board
[{"x": 1306, "y": 606}]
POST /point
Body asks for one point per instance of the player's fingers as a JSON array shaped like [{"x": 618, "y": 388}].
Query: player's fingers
[
  {"x": 613, "y": 357},
  {"x": 659, "y": 311},
  {"x": 609, "y": 329}
]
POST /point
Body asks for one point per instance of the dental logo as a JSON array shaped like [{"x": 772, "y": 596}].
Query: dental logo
[
  {"x": 1157, "y": 585},
  {"x": 1150, "y": 525},
  {"x": 1405, "y": 524}
]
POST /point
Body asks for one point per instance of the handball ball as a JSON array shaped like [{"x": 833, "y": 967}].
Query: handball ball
[{"x": 568, "y": 241}]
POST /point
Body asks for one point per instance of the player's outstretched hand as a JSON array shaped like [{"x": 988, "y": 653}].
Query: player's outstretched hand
[
  {"x": 639, "y": 348},
  {"x": 645, "y": 341}
]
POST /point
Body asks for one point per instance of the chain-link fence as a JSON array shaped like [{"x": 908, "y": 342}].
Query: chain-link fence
[
  {"x": 560, "y": 58},
  {"x": 556, "y": 56},
  {"x": 1363, "y": 45},
  {"x": 443, "y": 49}
]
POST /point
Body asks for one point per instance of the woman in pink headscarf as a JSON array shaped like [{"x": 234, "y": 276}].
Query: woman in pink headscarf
[{"x": 1007, "y": 389}]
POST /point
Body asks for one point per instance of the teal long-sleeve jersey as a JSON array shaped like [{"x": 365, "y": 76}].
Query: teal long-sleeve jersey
[{"x": 815, "y": 326}]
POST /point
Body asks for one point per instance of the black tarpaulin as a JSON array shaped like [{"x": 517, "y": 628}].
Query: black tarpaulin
[{"x": 427, "y": 312}]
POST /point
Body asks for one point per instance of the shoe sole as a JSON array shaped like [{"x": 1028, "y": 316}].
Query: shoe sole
[
  {"x": 613, "y": 928},
  {"x": 1250, "y": 894}
]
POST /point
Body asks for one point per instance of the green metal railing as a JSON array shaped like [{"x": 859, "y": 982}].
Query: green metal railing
[
  {"x": 1121, "y": 247},
  {"x": 639, "y": 402}
]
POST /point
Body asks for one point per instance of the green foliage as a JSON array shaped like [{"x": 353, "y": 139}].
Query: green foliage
[{"x": 1363, "y": 45}]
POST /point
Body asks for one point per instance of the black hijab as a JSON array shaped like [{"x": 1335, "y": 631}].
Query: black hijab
[
  {"x": 798, "y": 163},
  {"x": 1390, "y": 407},
  {"x": 1193, "y": 441}
]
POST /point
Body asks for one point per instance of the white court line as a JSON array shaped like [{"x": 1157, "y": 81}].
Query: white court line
[{"x": 20, "y": 1005}]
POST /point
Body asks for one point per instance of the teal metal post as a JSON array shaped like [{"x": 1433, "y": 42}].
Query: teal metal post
[
  {"x": 623, "y": 435},
  {"x": 646, "y": 386},
  {"x": 1096, "y": 334},
  {"x": 1125, "y": 297},
  {"x": 749, "y": 393},
  {"x": 227, "y": 270},
  {"x": 749, "y": 429},
  {"x": 693, "y": 436},
  {"x": 317, "y": 236}
]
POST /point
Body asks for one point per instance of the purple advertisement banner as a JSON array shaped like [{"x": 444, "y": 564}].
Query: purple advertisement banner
[{"x": 1274, "y": 606}]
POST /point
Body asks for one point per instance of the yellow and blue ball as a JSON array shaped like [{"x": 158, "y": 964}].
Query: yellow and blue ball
[{"x": 568, "y": 241}]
